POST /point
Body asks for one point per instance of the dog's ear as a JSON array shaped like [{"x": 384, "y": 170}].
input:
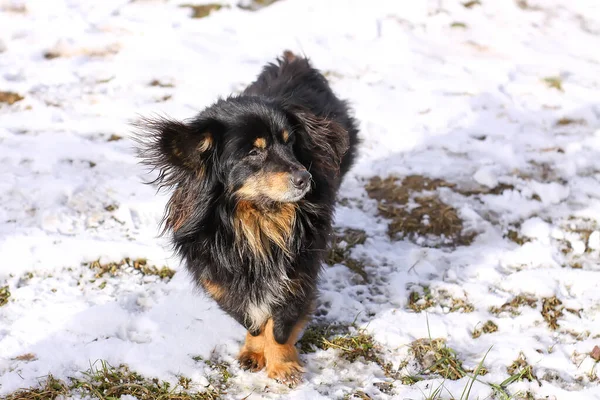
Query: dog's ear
[
  {"x": 324, "y": 138},
  {"x": 176, "y": 149}
]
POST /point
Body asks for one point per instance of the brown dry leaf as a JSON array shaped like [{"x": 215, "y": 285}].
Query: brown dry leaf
[{"x": 595, "y": 354}]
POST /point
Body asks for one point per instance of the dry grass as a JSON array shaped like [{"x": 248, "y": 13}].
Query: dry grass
[
  {"x": 384, "y": 387},
  {"x": 520, "y": 369},
  {"x": 50, "y": 389},
  {"x": 158, "y": 83},
  {"x": 460, "y": 25},
  {"x": 471, "y": 4},
  {"x": 569, "y": 121},
  {"x": 554, "y": 82},
  {"x": 139, "y": 264},
  {"x": 514, "y": 236},
  {"x": 4, "y": 295},
  {"x": 26, "y": 357},
  {"x": 98, "y": 52},
  {"x": 524, "y": 5},
  {"x": 481, "y": 190},
  {"x": 108, "y": 383},
  {"x": 428, "y": 217},
  {"x": 390, "y": 191},
  {"x": 315, "y": 335},
  {"x": 340, "y": 248},
  {"x": 419, "y": 301},
  {"x": 10, "y": 97},
  {"x": 436, "y": 358},
  {"x": 353, "y": 347},
  {"x": 582, "y": 227},
  {"x": 114, "y": 138},
  {"x": 359, "y": 394},
  {"x": 512, "y": 306},
  {"x": 202, "y": 10},
  {"x": 356, "y": 346},
  {"x": 552, "y": 310},
  {"x": 111, "y": 207},
  {"x": 488, "y": 327}
]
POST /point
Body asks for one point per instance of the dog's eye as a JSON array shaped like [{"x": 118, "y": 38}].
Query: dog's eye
[{"x": 255, "y": 152}]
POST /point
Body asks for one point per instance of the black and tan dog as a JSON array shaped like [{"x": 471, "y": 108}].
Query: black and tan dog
[{"x": 254, "y": 181}]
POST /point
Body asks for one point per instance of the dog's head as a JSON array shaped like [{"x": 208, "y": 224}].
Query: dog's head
[
  {"x": 251, "y": 150},
  {"x": 258, "y": 158}
]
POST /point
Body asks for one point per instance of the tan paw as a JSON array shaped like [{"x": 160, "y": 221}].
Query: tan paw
[
  {"x": 252, "y": 361},
  {"x": 288, "y": 373}
]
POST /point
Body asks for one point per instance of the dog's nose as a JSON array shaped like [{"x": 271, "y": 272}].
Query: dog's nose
[{"x": 301, "y": 178}]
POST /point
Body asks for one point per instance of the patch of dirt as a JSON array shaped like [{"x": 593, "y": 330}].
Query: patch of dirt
[{"x": 415, "y": 216}]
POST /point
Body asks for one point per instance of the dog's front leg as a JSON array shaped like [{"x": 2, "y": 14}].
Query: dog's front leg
[{"x": 280, "y": 336}]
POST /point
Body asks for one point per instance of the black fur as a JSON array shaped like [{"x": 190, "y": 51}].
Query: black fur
[{"x": 208, "y": 159}]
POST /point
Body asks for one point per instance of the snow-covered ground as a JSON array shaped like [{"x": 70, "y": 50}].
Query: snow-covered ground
[{"x": 498, "y": 98}]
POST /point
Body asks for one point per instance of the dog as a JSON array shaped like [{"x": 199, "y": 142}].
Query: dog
[{"x": 254, "y": 178}]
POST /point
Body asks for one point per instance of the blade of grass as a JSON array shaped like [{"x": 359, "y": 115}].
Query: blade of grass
[{"x": 475, "y": 375}]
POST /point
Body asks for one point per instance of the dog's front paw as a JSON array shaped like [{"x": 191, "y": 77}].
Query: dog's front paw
[
  {"x": 252, "y": 361},
  {"x": 288, "y": 373}
]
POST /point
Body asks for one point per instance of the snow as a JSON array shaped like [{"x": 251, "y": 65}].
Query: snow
[
  {"x": 468, "y": 105},
  {"x": 485, "y": 176}
]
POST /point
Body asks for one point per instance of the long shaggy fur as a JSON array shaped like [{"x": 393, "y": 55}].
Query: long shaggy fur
[{"x": 257, "y": 253}]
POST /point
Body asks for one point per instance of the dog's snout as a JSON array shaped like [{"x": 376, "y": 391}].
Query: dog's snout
[{"x": 300, "y": 178}]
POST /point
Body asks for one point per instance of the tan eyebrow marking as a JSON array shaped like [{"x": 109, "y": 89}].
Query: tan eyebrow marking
[
  {"x": 285, "y": 135},
  {"x": 261, "y": 143}
]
